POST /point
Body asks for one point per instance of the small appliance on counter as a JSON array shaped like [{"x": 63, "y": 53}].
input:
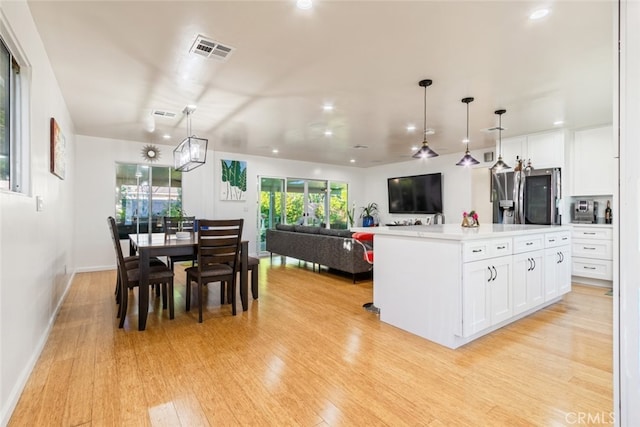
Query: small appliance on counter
[{"x": 585, "y": 212}]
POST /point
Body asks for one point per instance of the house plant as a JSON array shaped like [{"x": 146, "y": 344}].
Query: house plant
[{"x": 368, "y": 213}]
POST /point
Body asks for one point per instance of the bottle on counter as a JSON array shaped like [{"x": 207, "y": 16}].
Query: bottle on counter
[{"x": 607, "y": 214}]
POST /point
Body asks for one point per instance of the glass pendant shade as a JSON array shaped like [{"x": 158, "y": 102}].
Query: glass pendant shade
[
  {"x": 425, "y": 151},
  {"x": 500, "y": 164},
  {"x": 467, "y": 160},
  {"x": 192, "y": 151}
]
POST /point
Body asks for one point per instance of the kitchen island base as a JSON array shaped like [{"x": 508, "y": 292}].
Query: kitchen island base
[{"x": 455, "y": 286}]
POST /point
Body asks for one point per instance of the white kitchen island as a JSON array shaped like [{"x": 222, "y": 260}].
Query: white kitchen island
[{"x": 452, "y": 285}]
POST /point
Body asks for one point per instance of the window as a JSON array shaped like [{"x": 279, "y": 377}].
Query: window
[
  {"x": 144, "y": 194},
  {"x": 13, "y": 164}
]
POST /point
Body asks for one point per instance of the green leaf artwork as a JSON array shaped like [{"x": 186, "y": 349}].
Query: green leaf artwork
[{"x": 234, "y": 180}]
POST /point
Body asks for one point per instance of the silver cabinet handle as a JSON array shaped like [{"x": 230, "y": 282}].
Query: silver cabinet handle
[
  {"x": 552, "y": 240},
  {"x": 475, "y": 251},
  {"x": 529, "y": 243},
  {"x": 589, "y": 268},
  {"x": 495, "y": 273},
  {"x": 589, "y": 233},
  {"x": 588, "y": 248},
  {"x": 501, "y": 247}
]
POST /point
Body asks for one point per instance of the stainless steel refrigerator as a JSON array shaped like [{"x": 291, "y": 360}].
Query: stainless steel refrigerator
[{"x": 526, "y": 197}]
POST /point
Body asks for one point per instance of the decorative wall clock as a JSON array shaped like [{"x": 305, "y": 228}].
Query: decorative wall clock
[{"x": 150, "y": 153}]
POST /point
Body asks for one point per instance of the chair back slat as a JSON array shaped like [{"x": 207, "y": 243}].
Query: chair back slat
[
  {"x": 172, "y": 224},
  {"x": 219, "y": 243}
]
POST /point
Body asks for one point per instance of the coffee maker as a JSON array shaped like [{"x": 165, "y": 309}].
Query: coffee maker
[{"x": 585, "y": 211}]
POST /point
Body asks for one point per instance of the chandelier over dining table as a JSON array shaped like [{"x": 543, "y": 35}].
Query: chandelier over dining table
[{"x": 192, "y": 151}]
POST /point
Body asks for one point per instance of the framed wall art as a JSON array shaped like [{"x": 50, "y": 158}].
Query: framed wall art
[
  {"x": 233, "y": 180},
  {"x": 58, "y": 148}
]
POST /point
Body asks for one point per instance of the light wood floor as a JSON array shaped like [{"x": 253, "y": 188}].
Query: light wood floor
[{"x": 307, "y": 354}]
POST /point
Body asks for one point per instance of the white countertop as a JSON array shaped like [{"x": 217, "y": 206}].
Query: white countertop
[{"x": 457, "y": 232}]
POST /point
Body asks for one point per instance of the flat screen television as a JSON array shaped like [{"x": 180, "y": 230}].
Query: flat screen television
[{"x": 417, "y": 194}]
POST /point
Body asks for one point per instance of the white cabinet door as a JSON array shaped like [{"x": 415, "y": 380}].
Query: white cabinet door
[
  {"x": 476, "y": 304},
  {"x": 528, "y": 280},
  {"x": 592, "y": 162},
  {"x": 546, "y": 150},
  {"x": 563, "y": 275},
  {"x": 557, "y": 269},
  {"x": 486, "y": 294},
  {"x": 500, "y": 290},
  {"x": 512, "y": 148}
]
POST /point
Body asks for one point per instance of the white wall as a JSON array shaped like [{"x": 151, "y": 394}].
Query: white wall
[
  {"x": 35, "y": 246},
  {"x": 456, "y": 186},
  {"x": 626, "y": 227},
  {"x": 95, "y": 186}
]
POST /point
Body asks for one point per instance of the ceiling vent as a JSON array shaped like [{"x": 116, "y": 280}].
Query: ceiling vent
[
  {"x": 210, "y": 48},
  {"x": 166, "y": 114}
]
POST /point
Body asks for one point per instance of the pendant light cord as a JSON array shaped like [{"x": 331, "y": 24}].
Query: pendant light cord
[
  {"x": 467, "y": 127},
  {"x": 424, "y": 124}
]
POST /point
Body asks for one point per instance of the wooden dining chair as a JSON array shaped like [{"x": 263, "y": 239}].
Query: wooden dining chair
[
  {"x": 129, "y": 277},
  {"x": 218, "y": 259},
  {"x": 130, "y": 262},
  {"x": 173, "y": 224}
]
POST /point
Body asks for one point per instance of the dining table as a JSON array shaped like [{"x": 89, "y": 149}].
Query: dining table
[{"x": 147, "y": 245}]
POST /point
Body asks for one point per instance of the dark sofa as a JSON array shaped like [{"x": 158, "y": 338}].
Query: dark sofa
[{"x": 331, "y": 248}]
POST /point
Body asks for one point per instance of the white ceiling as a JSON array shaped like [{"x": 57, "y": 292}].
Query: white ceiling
[{"x": 117, "y": 61}]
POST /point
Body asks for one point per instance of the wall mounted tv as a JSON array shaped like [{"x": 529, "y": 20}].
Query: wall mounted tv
[{"x": 417, "y": 194}]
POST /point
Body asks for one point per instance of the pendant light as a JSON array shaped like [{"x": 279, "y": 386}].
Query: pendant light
[
  {"x": 500, "y": 165},
  {"x": 425, "y": 151},
  {"x": 467, "y": 160},
  {"x": 192, "y": 151}
]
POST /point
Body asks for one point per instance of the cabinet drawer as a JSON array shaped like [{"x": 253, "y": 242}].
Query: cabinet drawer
[
  {"x": 596, "y": 249},
  {"x": 594, "y": 268},
  {"x": 528, "y": 243},
  {"x": 552, "y": 240},
  {"x": 483, "y": 249},
  {"x": 592, "y": 233}
]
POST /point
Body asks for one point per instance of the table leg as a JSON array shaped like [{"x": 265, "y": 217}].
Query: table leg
[
  {"x": 244, "y": 276},
  {"x": 143, "y": 290}
]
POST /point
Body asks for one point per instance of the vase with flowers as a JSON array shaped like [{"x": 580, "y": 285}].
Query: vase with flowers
[{"x": 470, "y": 219}]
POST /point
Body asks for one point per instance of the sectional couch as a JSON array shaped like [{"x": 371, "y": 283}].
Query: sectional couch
[{"x": 332, "y": 248}]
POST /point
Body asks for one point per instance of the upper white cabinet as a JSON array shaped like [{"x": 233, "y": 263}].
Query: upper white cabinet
[
  {"x": 592, "y": 162},
  {"x": 544, "y": 149}
]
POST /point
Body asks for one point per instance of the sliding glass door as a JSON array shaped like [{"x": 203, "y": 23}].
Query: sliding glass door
[{"x": 300, "y": 201}]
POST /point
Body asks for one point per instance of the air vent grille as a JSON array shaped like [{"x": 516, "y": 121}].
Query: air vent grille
[
  {"x": 208, "y": 48},
  {"x": 161, "y": 113}
]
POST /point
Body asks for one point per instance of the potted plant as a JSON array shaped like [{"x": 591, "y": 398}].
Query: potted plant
[{"x": 368, "y": 213}]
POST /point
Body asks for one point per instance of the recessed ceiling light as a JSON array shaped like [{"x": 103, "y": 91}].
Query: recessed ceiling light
[
  {"x": 352, "y": 160},
  {"x": 411, "y": 128},
  {"x": 558, "y": 122},
  {"x": 304, "y": 4},
  {"x": 539, "y": 14},
  {"x": 328, "y": 132},
  {"x": 274, "y": 151},
  {"x": 327, "y": 107},
  {"x": 166, "y": 136},
  {"x": 414, "y": 148},
  {"x": 465, "y": 140}
]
